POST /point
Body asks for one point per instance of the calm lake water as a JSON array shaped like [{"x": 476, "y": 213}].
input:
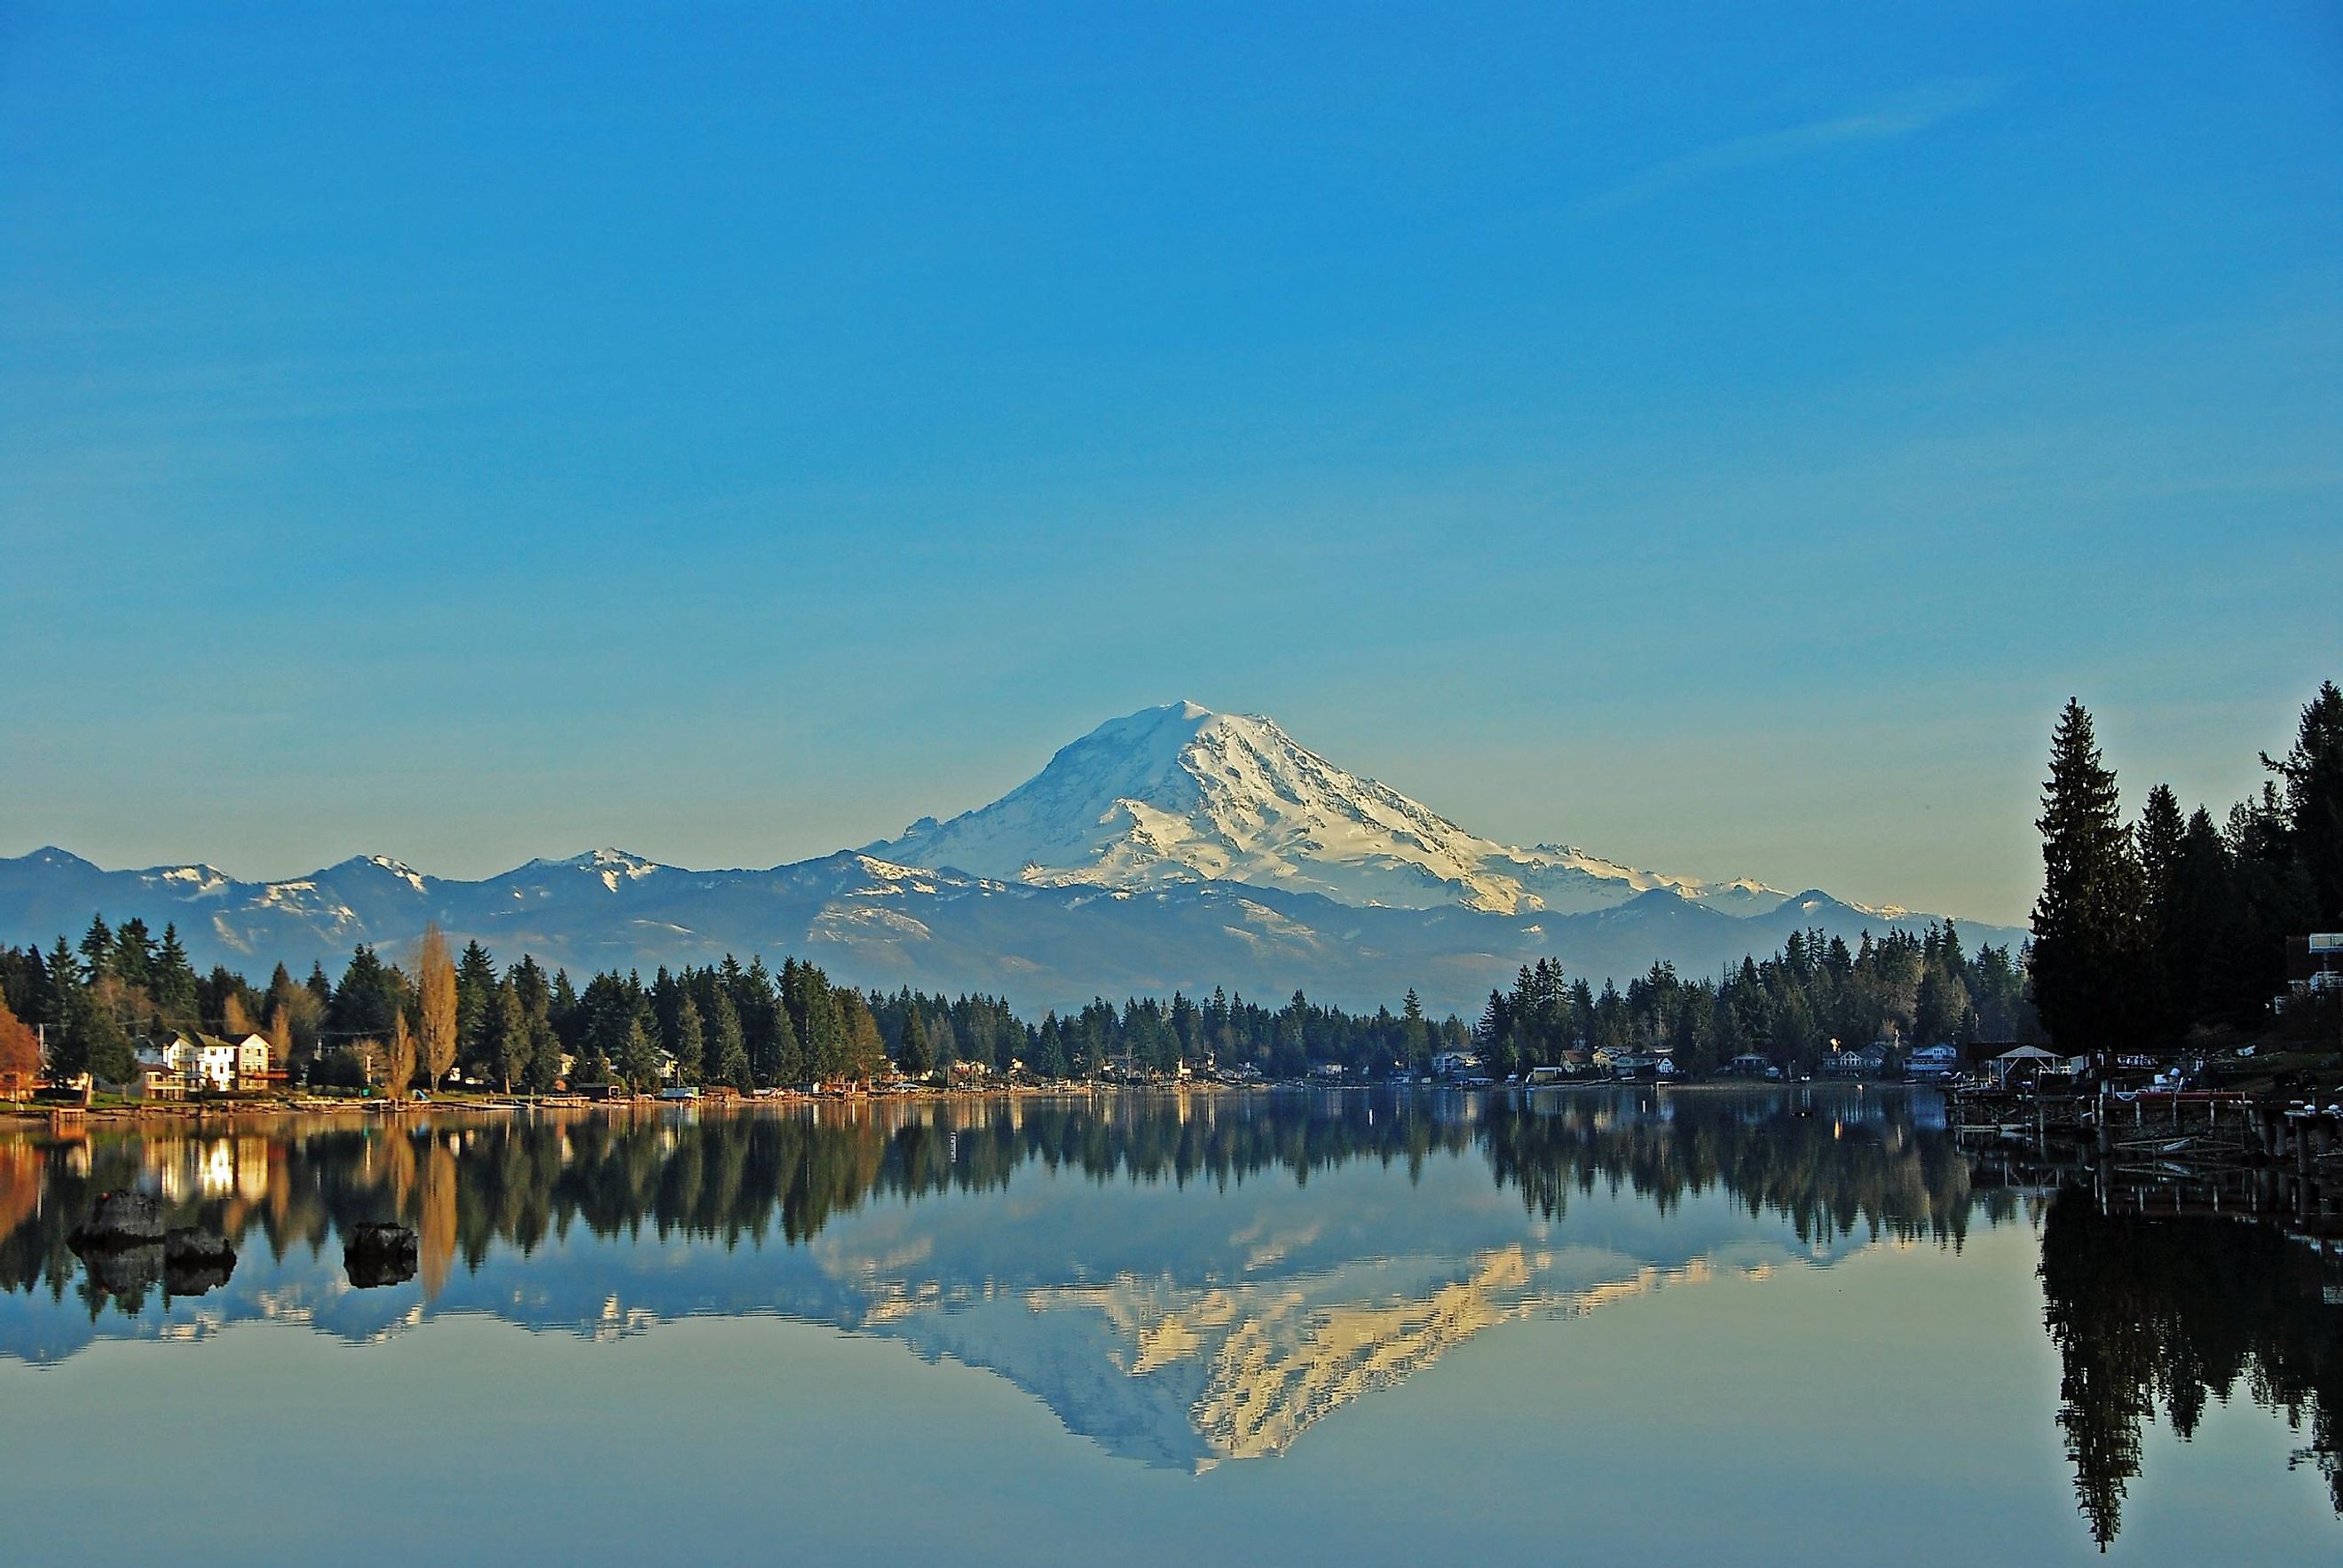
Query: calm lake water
[{"x": 1779, "y": 1325}]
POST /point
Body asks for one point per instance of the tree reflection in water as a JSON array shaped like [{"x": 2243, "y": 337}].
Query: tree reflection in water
[
  {"x": 2148, "y": 1315},
  {"x": 2150, "y": 1312},
  {"x": 469, "y": 1185}
]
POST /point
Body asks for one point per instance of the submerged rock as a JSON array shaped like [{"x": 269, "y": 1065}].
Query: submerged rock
[{"x": 375, "y": 1255}]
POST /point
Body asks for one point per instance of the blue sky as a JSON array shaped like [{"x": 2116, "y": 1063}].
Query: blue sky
[{"x": 1715, "y": 438}]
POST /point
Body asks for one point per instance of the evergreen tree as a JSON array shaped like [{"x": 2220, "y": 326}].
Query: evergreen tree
[
  {"x": 726, "y": 1047},
  {"x": 506, "y": 1045},
  {"x": 133, "y": 961},
  {"x": 1415, "y": 1034},
  {"x": 691, "y": 1046},
  {"x": 1050, "y": 1049},
  {"x": 173, "y": 984},
  {"x": 2313, "y": 775},
  {"x": 68, "y": 1036},
  {"x": 916, "y": 1058},
  {"x": 103, "y": 1045},
  {"x": 636, "y": 1060},
  {"x": 2168, "y": 999},
  {"x": 64, "y": 978},
  {"x": 477, "y": 1046},
  {"x": 367, "y": 999},
  {"x": 2087, "y": 955},
  {"x": 98, "y": 949}
]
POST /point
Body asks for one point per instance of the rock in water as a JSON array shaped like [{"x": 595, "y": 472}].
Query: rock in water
[
  {"x": 120, "y": 1219},
  {"x": 195, "y": 1262},
  {"x": 375, "y": 1255}
]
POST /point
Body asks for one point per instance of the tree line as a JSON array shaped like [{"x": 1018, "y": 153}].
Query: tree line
[
  {"x": 1904, "y": 989},
  {"x": 2150, "y": 928},
  {"x": 391, "y": 1024}
]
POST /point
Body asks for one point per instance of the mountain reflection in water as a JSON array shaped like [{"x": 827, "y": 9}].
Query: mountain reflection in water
[{"x": 1182, "y": 1278}]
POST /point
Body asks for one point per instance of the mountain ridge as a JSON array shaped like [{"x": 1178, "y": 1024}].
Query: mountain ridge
[{"x": 1172, "y": 849}]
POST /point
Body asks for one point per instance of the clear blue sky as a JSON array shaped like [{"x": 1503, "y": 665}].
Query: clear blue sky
[{"x": 1717, "y": 436}]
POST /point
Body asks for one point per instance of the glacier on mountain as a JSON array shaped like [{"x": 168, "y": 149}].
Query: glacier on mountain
[
  {"x": 1182, "y": 794},
  {"x": 1171, "y": 849}
]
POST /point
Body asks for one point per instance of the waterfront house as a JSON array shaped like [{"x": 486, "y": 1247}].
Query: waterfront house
[
  {"x": 1456, "y": 1064},
  {"x": 1934, "y": 1061},
  {"x": 1857, "y": 1060},
  {"x": 209, "y": 1061},
  {"x": 1621, "y": 1062},
  {"x": 152, "y": 1076}
]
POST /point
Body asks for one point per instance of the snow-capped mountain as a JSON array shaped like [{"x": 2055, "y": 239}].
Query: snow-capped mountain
[
  {"x": 1182, "y": 794},
  {"x": 1176, "y": 848}
]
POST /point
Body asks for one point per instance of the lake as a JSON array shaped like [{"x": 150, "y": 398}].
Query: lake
[{"x": 1796, "y": 1324}]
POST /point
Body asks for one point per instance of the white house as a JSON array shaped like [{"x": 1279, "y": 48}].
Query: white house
[
  {"x": 209, "y": 1062},
  {"x": 1456, "y": 1064}
]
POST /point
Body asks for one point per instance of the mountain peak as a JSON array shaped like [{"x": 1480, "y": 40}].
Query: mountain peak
[{"x": 1180, "y": 793}]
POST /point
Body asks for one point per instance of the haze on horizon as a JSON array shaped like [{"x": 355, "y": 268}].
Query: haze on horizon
[{"x": 1718, "y": 443}]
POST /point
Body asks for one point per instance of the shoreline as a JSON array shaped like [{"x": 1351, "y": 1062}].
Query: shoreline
[{"x": 29, "y": 1114}]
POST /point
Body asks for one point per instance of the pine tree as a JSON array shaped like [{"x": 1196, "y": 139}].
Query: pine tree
[
  {"x": 98, "y": 949},
  {"x": 2088, "y": 952},
  {"x": 1050, "y": 1049},
  {"x": 476, "y": 1007},
  {"x": 637, "y": 1059},
  {"x": 917, "y": 1058},
  {"x": 1414, "y": 1034},
  {"x": 727, "y": 1049},
  {"x": 64, "y": 978},
  {"x": 366, "y": 997},
  {"x": 173, "y": 984},
  {"x": 2313, "y": 775},
  {"x": 133, "y": 961},
  {"x": 2167, "y": 998},
  {"x": 506, "y": 1045},
  {"x": 690, "y": 1040}
]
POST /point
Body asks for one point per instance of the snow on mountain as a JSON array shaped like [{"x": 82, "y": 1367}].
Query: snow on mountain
[
  {"x": 1181, "y": 794},
  {"x": 611, "y": 868},
  {"x": 1172, "y": 849}
]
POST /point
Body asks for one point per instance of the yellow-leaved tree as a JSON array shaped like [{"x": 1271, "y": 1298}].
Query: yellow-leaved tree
[{"x": 434, "y": 975}]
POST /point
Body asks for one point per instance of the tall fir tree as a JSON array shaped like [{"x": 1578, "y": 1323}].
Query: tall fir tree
[
  {"x": 917, "y": 1058},
  {"x": 2313, "y": 777},
  {"x": 2088, "y": 948},
  {"x": 177, "y": 1003},
  {"x": 2168, "y": 998},
  {"x": 728, "y": 1049},
  {"x": 690, "y": 1043}
]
